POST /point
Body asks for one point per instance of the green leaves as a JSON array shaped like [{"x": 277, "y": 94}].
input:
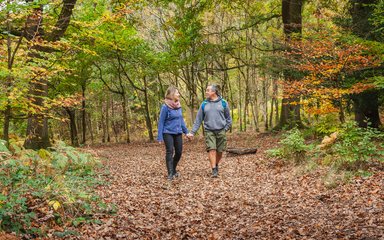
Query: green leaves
[
  {"x": 46, "y": 187},
  {"x": 357, "y": 146},
  {"x": 293, "y": 146},
  {"x": 3, "y": 148}
]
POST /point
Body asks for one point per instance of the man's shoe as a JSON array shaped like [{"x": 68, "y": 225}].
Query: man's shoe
[{"x": 215, "y": 172}]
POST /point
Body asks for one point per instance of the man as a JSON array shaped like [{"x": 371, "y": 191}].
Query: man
[{"x": 214, "y": 111}]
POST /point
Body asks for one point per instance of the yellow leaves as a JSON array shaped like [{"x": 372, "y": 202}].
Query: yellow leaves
[
  {"x": 48, "y": 187},
  {"x": 69, "y": 101},
  {"x": 54, "y": 204},
  {"x": 44, "y": 154}
]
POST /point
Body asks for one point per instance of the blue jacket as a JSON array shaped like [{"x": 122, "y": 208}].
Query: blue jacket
[{"x": 171, "y": 121}]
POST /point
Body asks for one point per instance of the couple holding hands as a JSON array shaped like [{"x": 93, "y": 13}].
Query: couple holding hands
[{"x": 215, "y": 114}]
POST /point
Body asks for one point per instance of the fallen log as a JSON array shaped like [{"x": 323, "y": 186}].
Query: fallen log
[{"x": 241, "y": 151}]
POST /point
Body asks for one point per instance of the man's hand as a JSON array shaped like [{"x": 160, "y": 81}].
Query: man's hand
[{"x": 189, "y": 135}]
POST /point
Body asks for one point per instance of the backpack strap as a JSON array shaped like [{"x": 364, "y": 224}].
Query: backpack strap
[
  {"x": 223, "y": 103},
  {"x": 203, "y": 105}
]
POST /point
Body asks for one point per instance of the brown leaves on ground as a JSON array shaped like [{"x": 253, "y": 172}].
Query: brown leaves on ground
[
  {"x": 5, "y": 236},
  {"x": 253, "y": 198}
]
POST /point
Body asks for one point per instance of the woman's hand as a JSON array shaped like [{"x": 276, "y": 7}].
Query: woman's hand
[{"x": 189, "y": 136}]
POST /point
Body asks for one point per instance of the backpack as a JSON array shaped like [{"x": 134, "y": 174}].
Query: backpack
[{"x": 223, "y": 103}]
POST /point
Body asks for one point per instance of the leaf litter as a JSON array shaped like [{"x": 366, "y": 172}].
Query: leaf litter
[{"x": 255, "y": 197}]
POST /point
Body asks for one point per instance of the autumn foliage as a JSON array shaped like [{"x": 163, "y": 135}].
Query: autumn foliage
[{"x": 328, "y": 64}]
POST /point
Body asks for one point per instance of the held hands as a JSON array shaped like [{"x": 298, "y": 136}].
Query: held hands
[{"x": 189, "y": 136}]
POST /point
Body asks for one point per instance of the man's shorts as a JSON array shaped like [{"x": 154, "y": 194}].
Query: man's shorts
[{"x": 216, "y": 140}]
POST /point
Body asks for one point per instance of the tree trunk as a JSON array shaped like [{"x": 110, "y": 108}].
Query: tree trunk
[
  {"x": 341, "y": 111},
  {"x": 83, "y": 115},
  {"x": 147, "y": 113},
  {"x": 73, "y": 128},
  {"x": 232, "y": 101},
  {"x": 125, "y": 118},
  {"x": 366, "y": 109},
  {"x": 245, "y": 111},
  {"x": 114, "y": 127},
  {"x": 366, "y": 105},
  {"x": 276, "y": 107},
  {"x": 240, "y": 104},
  {"x": 271, "y": 114},
  {"x": 274, "y": 102},
  {"x": 255, "y": 116},
  {"x": 37, "y": 128},
  {"x": 90, "y": 128},
  {"x": 107, "y": 119},
  {"x": 265, "y": 103},
  {"x": 292, "y": 20},
  {"x": 255, "y": 105},
  {"x": 7, "y": 118},
  {"x": 103, "y": 120},
  {"x": 8, "y": 84}
]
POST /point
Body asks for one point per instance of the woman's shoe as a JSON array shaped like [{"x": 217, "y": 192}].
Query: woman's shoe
[{"x": 170, "y": 177}]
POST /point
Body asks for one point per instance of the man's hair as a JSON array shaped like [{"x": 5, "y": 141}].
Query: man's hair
[{"x": 215, "y": 88}]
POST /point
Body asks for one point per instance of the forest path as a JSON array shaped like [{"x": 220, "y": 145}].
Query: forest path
[{"x": 253, "y": 198}]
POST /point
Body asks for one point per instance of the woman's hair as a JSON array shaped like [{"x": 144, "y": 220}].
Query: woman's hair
[
  {"x": 215, "y": 88},
  {"x": 170, "y": 93}
]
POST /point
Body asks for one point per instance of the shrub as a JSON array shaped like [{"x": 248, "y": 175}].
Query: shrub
[
  {"x": 355, "y": 147},
  {"x": 46, "y": 188},
  {"x": 326, "y": 125},
  {"x": 292, "y": 147}
]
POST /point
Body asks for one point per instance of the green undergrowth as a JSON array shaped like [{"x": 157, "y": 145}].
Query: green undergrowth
[
  {"x": 47, "y": 189},
  {"x": 348, "y": 151}
]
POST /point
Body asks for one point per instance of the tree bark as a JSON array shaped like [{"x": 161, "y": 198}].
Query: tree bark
[
  {"x": 147, "y": 113},
  {"x": 107, "y": 119},
  {"x": 241, "y": 151},
  {"x": 114, "y": 127},
  {"x": 90, "y": 128},
  {"x": 73, "y": 127},
  {"x": 8, "y": 84},
  {"x": 366, "y": 105},
  {"x": 37, "y": 128},
  {"x": 125, "y": 118},
  {"x": 239, "y": 103},
  {"x": 366, "y": 109},
  {"x": 265, "y": 102},
  {"x": 83, "y": 115},
  {"x": 103, "y": 120},
  {"x": 292, "y": 21}
]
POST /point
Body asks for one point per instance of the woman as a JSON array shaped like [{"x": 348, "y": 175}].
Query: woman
[{"x": 170, "y": 130}]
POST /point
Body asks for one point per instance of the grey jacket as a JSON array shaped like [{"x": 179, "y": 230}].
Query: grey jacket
[{"x": 215, "y": 117}]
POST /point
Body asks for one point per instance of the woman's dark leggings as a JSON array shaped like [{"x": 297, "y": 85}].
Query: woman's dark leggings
[{"x": 173, "y": 149}]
